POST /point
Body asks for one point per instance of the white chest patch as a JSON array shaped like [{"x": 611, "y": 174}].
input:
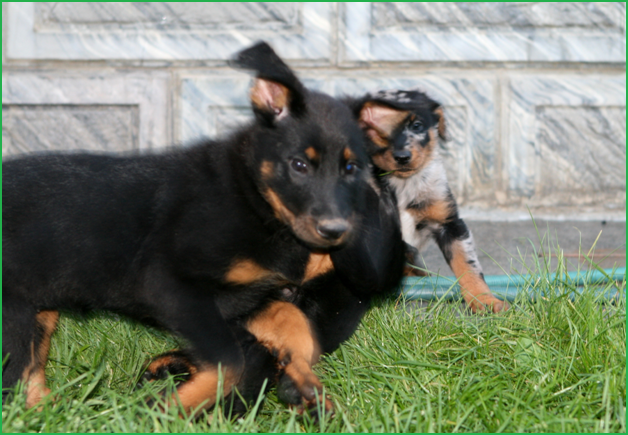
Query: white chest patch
[{"x": 428, "y": 185}]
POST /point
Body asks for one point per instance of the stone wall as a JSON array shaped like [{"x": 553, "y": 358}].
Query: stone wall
[{"x": 535, "y": 93}]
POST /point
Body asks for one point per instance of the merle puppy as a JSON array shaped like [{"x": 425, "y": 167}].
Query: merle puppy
[
  {"x": 403, "y": 128},
  {"x": 205, "y": 241}
]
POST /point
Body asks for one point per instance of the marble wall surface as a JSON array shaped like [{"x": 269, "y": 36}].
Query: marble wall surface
[{"x": 534, "y": 93}]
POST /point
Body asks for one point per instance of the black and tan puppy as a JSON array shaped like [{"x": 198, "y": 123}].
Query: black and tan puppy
[
  {"x": 403, "y": 128},
  {"x": 204, "y": 241},
  {"x": 334, "y": 302}
]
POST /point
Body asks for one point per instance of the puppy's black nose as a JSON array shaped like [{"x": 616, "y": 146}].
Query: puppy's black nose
[
  {"x": 402, "y": 157},
  {"x": 332, "y": 229}
]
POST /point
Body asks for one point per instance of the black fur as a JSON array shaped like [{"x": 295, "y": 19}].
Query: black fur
[
  {"x": 154, "y": 236},
  {"x": 454, "y": 229}
]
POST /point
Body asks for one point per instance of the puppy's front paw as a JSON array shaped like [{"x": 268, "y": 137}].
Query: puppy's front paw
[
  {"x": 498, "y": 306},
  {"x": 306, "y": 395},
  {"x": 489, "y": 304},
  {"x": 287, "y": 391}
]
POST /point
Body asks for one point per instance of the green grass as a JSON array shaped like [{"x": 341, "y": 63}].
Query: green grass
[{"x": 553, "y": 365}]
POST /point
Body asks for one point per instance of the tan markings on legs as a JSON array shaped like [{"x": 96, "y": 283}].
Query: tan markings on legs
[
  {"x": 436, "y": 211},
  {"x": 318, "y": 264},
  {"x": 301, "y": 373},
  {"x": 246, "y": 272},
  {"x": 473, "y": 288},
  {"x": 34, "y": 375},
  {"x": 284, "y": 330},
  {"x": 202, "y": 387},
  {"x": 157, "y": 363},
  {"x": 169, "y": 360},
  {"x": 309, "y": 385},
  {"x": 36, "y": 389}
]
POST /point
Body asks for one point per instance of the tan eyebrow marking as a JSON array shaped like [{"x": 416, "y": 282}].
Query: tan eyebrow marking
[
  {"x": 348, "y": 154},
  {"x": 311, "y": 153}
]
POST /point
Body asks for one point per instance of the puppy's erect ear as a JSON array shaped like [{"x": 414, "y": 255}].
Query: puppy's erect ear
[
  {"x": 379, "y": 121},
  {"x": 277, "y": 92}
]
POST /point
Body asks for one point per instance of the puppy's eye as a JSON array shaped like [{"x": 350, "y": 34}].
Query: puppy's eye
[
  {"x": 417, "y": 126},
  {"x": 350, "y": 168},
  {"x": 299, "y": 166}
]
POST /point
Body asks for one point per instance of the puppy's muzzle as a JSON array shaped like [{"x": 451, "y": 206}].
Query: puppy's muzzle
[
  {"x": 402, "y": 157},
  {"x": 333, "y": 229}
]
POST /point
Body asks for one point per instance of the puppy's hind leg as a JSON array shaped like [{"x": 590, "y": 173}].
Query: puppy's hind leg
[
  {"x": 18, "y": 335},
  {"x": 26, "y": 335},
  {"x": 261, "y": 370},
  {"x": 213, "y": 355}
]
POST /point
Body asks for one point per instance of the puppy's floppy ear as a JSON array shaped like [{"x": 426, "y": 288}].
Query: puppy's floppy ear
[
  {"x": 384, "y": 108},
  {"x": 276, "y": 93},
  {"x": 379, "y": 121},
  {"x": 270, "y": 99},
  {"x": 437, "y": 110}
]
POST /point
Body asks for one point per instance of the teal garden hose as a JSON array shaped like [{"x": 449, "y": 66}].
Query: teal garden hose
[{"x": 506, "y": 287}]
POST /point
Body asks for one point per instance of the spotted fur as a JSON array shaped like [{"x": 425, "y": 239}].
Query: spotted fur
[{"x": 403, "y": 128}]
